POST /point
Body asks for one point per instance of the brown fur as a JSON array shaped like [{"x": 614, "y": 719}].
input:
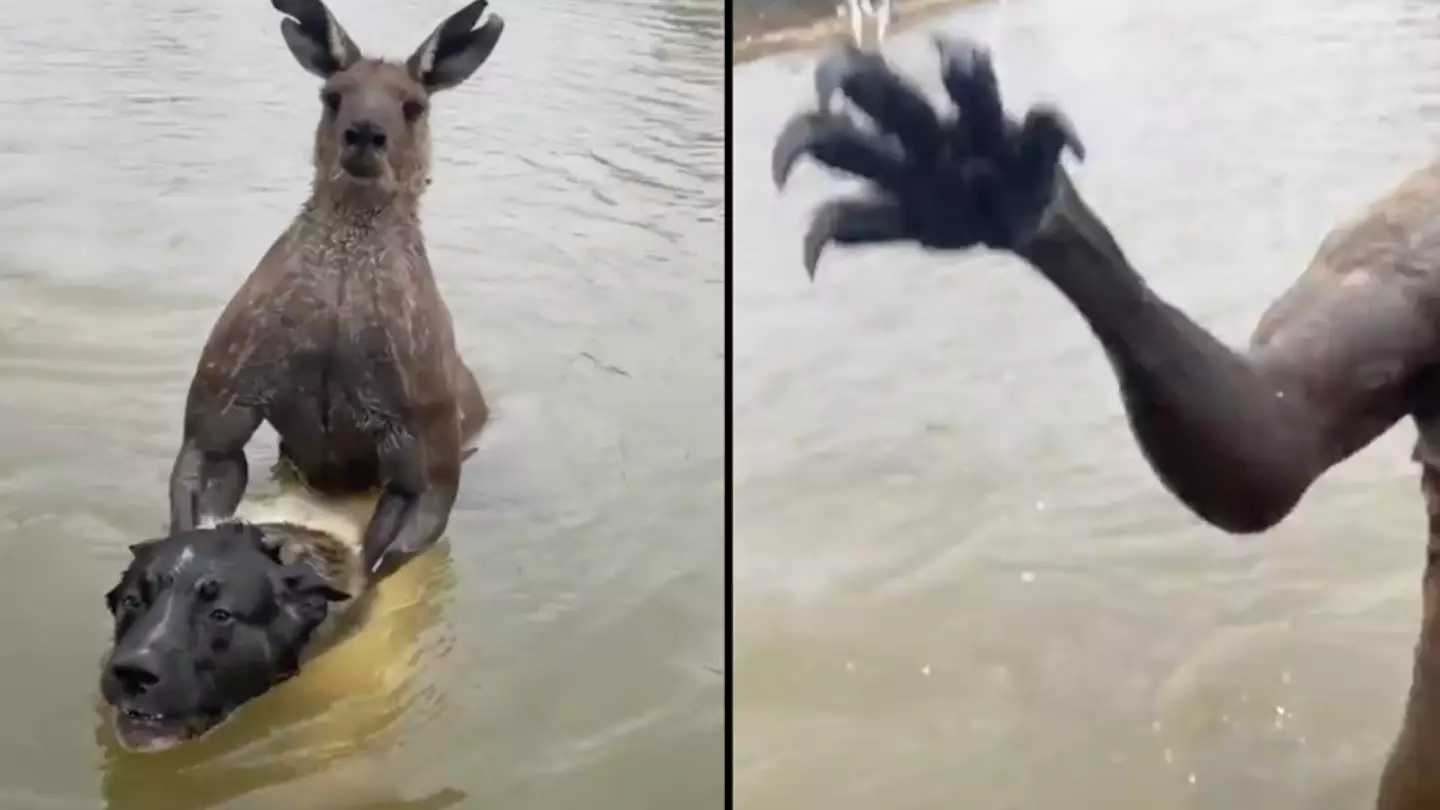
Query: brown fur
[
  {"x": 1409, "y": 781},
  {"x": 340, "y": 338},
  {"x": 323, "y": 532}
]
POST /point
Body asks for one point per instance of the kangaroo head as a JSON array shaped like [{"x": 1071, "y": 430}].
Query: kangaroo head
[{"x": 373, "y": 139}]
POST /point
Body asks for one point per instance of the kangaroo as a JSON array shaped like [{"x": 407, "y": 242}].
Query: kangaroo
[{"x": 339, "y": 338}]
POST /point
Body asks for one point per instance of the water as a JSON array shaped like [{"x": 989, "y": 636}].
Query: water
[
  {"x": 956, "y": 580},
  {"x": 567, "y": 649}
]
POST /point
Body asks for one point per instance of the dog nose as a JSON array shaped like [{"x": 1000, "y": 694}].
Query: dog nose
[
  {"x": 135, "y": 672},
  {"x": 365, "y": 134}
]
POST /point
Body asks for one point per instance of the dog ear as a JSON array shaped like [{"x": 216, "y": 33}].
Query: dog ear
[
  {"x": 139, "y": 551},
  {"x": 256, "y": 537},
  {"x": 301, "y": 580},
  {"x": 453, "y": 51},
  {"x": 144, "y": 547}
]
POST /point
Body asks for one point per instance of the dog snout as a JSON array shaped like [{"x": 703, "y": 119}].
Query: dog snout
[
  {"x": 365, "y": 135},
  {"x": 136, "y": 672}
]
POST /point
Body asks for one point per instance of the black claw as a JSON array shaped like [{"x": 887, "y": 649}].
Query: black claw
[
  {"x": 852, "y": 222},
  {"x": 791, "y": 144},
  {"x": 838, "y": 143},
  {"x": 968, "y": 74},
  {"x": 1063, "y": 127},
  {"x": 830, "y": 74},
  {"x": 1045, "y": 133},
  {"x": 895, "y": 104},
  {"x": 979, "y": 178},
  {"x": 815, "y": 241}
]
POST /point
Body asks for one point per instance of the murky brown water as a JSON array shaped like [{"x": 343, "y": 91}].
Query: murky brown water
[
  {"x": 957, "y": 583},
  {"x": 568, "y": 652}
]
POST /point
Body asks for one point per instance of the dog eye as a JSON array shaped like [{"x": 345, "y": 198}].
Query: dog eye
[
  {"x": 331, "y": 100},
  {"x": 221, "y": 615},
  {"x": 413, "y": 110}
]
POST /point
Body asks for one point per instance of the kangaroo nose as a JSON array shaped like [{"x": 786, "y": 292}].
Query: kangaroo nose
[
  {"x": 364, "y": 134},
  {"x": 135, "y": 672}
]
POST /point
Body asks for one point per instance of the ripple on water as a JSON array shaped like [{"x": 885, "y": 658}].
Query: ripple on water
[
  {"x": 899, "y": 423},
  {"x": 575, "y": 227}
]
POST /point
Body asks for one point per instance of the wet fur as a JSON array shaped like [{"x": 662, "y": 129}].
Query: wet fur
[
  {"x": 343, "y": 701},
  {"x": 340, "y": 338},
  {"x": 1238, "y": 437},
  {"x": 322, "y": 530},
  {"x": 324, "y": 533}
]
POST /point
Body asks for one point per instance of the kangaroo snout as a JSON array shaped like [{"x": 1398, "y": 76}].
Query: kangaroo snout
[
  {"x": 365, "y": 135},
  {"x": 363, "y": 156}
]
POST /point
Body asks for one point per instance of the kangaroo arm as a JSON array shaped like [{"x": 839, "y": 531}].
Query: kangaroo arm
[{"x": 1238, "y": 437}]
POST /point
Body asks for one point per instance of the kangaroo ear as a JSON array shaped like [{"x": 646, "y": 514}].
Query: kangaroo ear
[
  {"x": 315, "y": 37},
  {"x": 457, "y": 48}
]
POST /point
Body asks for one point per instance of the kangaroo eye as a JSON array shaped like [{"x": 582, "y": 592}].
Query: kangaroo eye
[
  {"x": 413, "y": 110},
  {"x": 221, "y": 615},
  {"x": 131, "y": 602},
  {"x": 331, "y": 100}
]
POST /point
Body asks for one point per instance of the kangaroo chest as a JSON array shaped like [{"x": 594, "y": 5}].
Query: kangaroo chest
[{"x": 348, "y": 343}]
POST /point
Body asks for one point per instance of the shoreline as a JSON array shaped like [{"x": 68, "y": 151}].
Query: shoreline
[{"x": 760, "y": 35}]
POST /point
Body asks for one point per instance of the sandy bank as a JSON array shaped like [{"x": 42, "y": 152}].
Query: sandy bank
[{"x": 764, "y": 27}]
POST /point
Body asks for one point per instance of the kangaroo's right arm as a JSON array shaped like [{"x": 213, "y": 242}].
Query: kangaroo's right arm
[
  {"x": 1238, "y": 437},
  {"x": 210, "y": 472}
]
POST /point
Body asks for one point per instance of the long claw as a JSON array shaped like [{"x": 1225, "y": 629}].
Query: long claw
[
  {"x": 1064, "y": 128},
  {"x": 895, "y": 105},
  {"x": 830, "y": 74},
  {"x": 1045, "y": 133},
  {"x": 791, "y": 144},
  {"x": 968, "y": 74},
  {"x": 852, "y": 222},
  {"x": 836, "y": 142}
]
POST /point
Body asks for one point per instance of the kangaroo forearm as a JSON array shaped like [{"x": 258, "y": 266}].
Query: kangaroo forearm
[
  {"x": 404, "y": 525},
  {"x": 1221, "y": 435},
  {"x": 205, "y": 485}
]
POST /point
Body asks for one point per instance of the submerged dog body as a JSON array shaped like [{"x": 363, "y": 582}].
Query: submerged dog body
[
  {"x": 208, "y": 619},
  {"x": 340, "y": 338}
]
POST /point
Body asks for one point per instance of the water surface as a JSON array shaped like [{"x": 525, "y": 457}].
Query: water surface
[
  {"x": 957, "y": 582},
  {"x": 567, "y": 650}
]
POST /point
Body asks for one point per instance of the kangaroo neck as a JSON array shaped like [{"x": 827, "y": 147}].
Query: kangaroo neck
[
  {"x": 361, "y": 218},
  {"x": 358, "y": 206},
  {"x": 376, "y": 242}
]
